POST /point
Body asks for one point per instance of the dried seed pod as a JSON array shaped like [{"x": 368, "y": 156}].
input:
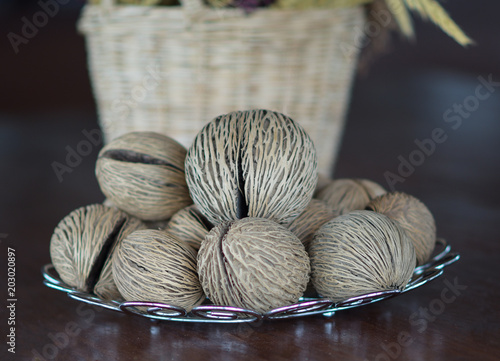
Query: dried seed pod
[
  {"x": 82, "y": 244},
  {"x": 308, "y": 222},
  {"x": 316, "y": 214},
  {"x": 345, "y": 195},
  {"x": 413, "y": 216},
  {"x": 190, "y": 226},
  {"x": 159, "y": 225},
  {"x": 105, "y": 287},
  {"x": 253, "y": 263},
  {"x": 154, "y": 266},
  {"x": 254, "y": 163},
  {"x": 358, "y": 253},
  {"x": 323, "y": 181},
  {"x": 142, "y": 173}
]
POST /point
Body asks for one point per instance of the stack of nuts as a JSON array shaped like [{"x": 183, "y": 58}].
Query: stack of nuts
[{"x": 233, "y": 219}]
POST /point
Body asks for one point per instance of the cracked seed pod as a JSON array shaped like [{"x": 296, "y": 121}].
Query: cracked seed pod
[
  {"x": 142, "y": 173},
  {"x": 154, "y": 266},
  {"x": 345, "y": 195},
  {"x": 190, "y": 226},
  {"x": 82, "y": 245},
  {"x": 358, "y": 253},
  {"x": 308, "y": 222},
  {"x": 413, "y": 216},
  {"x": 253, "y": 263},
  {"x": 255, "y": 163}
]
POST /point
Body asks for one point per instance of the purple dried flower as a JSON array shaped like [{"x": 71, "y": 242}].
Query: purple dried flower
[{"x": 251, "y": 5}]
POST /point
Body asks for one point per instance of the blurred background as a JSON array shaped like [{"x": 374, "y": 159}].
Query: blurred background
[{"x": 46, "y": 101}]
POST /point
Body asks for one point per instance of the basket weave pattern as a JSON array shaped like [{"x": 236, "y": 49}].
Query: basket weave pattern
[{"x": 172, "y": 69}]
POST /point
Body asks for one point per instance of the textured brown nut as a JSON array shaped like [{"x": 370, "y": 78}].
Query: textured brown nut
[
  {"x": 308, "y": 222},
  {"x": 82, "y": 244},
  {"x": 142, "y": 173},
  {"x": 190, "y": 226},
  {"x": 159, "y": 225},
  {"x": 413, "y": 216},
  {"x": 154, "y": 266},
  {"x": 253, "y": 263},
  {"x": 254, "y": 163},
  {"x": 358, "y": 253},
  {"x": 345, "y": 195}
]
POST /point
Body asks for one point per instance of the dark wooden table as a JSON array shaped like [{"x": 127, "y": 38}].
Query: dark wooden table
[{"x": 47, "y": 103}]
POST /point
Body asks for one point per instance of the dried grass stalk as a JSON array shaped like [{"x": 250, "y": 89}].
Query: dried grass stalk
[
  {"x": 428, "y": 10},
  {"x": 402, "y": 16},
  {"x": 431, "y": 9}
]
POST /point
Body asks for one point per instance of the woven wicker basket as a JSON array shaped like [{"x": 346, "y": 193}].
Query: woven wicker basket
[{"x": 172, "y": 69}]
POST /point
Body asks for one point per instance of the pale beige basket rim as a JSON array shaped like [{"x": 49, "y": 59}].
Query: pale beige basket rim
[{"x": 98, "y": 15}]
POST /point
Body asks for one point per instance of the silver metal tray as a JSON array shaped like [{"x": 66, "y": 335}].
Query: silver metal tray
[{"x": 208, "y": 312}]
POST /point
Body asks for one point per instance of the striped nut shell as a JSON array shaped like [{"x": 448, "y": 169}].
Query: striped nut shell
[
  {"x": 253, "y": 263},
  {"x": 190, "y": 226},
  {"x": 358, "y": 253},
  {"x": 142, "y": 173},
  {"x": 415, "y": 218},
  {"x": 82, "y": 244},
  {"x": 345, "y": 194},
  {"x": 308, "y": 222},
  {"x": 255, "y": 163},
  {"x": 154, "y": 266}
]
